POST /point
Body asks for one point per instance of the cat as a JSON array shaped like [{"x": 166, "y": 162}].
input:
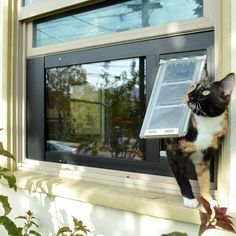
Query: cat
[{"x": 208, "y": 102}]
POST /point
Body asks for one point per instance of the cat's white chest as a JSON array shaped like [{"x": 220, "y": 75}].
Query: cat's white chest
[{"x": 207, "y": 127}]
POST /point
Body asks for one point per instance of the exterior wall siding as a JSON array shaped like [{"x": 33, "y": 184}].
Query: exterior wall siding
[{"x": 233, "y": 111}]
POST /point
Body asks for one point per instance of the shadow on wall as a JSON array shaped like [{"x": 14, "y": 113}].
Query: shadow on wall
[
  {"x": 43, "y": 198},
  {"x": 55, "y": 212}
]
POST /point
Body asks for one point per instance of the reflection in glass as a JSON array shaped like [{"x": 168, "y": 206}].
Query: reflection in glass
[
  {"x": 172, "y": 94},
  {"x": 166, "y": 118},
  {"x": 95, "y": 109},
  {"x": 122, "y": 16},
  {"x": 29, "y": 2},
  {"x": 181, "y": 71}
]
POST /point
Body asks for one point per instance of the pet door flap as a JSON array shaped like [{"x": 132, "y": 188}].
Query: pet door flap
[{"x": 167, "y": 113}]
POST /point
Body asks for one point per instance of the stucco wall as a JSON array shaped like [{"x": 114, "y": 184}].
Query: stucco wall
[{"x": 54, "y": 212}]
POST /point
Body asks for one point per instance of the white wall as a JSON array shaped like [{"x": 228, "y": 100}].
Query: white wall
[{"x": 55, "y": 212}]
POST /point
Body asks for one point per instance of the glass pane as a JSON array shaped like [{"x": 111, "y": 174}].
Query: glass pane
[
  {"x": 180, "y": 71},
  {"x": 159, "y": 118},
  {"x": 29, "y": 2},
  {"x": 109, "y": 19},
  {"x": 172, "y": 94},
  {"x": 95, "y": 109}
]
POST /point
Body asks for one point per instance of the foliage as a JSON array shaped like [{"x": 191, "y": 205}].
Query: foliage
[
  {"x": 211, "y": 218},
  {"x": 199, "y": 9},
  {"x": 11, "y": 180},
  {"x": 10, "y": 226},
  {"x": 29, "y": 218},
  {"x": 29, "y": 222},
  {"x": 214, "y": 218},
  {"x": 175, "y": 234},
  {"x": 78, "y": 230}
]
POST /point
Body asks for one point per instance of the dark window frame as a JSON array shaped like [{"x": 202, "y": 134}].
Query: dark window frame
[{"x": 153, "y": 50}]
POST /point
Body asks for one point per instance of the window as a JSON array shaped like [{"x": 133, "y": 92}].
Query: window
[
  {"x": 71, "y": 97},
  {"x": 113, "y": 16},
  {"x": 29, "y": 2},
  {"x": 167, "y": 114},
  {"x": 95, "y": 109}
]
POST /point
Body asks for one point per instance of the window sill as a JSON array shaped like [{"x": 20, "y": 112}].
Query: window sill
[{"x": 154, "y": 204}]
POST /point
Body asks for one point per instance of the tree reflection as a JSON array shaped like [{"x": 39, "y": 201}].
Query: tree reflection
[
  {"x": 101, "y": 118},
  {"x": 198, "y": 11}
]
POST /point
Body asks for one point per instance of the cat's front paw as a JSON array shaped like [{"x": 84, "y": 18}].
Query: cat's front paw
[
  {"x": 213, "y": 203},
  {"x": 190, "y": 203}
]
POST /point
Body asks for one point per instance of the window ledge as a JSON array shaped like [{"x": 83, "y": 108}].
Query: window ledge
[{"x": 160, "y": 205}]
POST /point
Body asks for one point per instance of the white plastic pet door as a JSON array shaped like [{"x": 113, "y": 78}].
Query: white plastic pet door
[{"x": 167, "y": 113}]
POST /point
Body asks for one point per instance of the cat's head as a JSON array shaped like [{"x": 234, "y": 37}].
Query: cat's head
[{"x": 210, "y": 99}]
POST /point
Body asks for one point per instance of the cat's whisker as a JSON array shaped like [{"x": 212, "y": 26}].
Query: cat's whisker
[
  {"x": 201, "y": 111},
  {"x": 198, "y": 108}
]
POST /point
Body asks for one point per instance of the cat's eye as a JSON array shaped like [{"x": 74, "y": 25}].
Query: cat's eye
[
  {"x": 190, "y": 89},
  {"x": 206, "y": 92}
]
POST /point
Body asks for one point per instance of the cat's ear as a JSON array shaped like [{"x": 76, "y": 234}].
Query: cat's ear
[{"x": 227, "y": 84}]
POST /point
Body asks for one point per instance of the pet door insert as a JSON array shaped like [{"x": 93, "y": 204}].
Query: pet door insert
[{"x": 167, "y": 113}]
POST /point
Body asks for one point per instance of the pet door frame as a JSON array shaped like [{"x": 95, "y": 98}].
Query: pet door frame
[{"x": 179, "y": 125}]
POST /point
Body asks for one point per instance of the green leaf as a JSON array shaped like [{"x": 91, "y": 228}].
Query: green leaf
[
  {"x": 6, "y": 154},
  {"x": 5, "y": 204},
  {"x": 64, "y": 230},
  {"x": 21, "y": 217},
  {"x": 33, "y": 232},
  {"x": 79, "y": 226},
  {"x": 10, "y": 226},
  {"x": 175, "y": 234},
  {"x": 77, "y": 222},
  {"x": 33, "y": 223},
  {"x": 9, "y": 176},
  {"x": 20, "y": 229}
]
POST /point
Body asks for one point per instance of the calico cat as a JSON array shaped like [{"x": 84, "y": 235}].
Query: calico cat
[{"x": 208, "y": 102}]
